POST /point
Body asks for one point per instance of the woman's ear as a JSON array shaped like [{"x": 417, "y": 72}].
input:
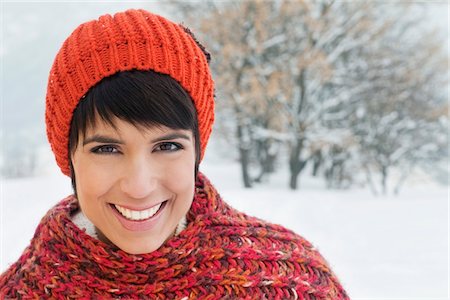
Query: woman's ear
[{"x": 72, "y": 176}]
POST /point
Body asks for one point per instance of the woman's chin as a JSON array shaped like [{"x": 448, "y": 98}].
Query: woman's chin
[{"x": 130, "y": 246}]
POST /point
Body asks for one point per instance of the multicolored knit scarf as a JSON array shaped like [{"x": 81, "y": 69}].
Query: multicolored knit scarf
[{"x": 222, "y": 254}]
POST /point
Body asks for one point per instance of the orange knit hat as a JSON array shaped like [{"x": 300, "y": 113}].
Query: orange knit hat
[{"x": 134, "y": 39}]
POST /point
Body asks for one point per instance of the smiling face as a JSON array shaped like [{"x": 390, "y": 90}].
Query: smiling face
[{"x": 135, "y": 184}]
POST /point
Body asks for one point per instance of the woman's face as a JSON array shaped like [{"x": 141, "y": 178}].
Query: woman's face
[{"x": 135, "y": 184}]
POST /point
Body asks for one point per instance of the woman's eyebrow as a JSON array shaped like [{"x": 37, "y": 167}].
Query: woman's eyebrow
[
  {"x": 171, "y": 136},
  {"x": 101, "y": 139},
  {"x": 108, "y": 140}
]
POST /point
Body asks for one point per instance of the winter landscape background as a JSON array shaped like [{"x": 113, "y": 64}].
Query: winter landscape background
[{"x": 381, "y": 247}]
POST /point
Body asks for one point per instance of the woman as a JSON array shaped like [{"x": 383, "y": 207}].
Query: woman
[{"x": 129, "y": 110}]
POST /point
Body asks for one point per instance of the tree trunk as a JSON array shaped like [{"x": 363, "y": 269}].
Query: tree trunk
[
  {"x": 294, "y": 180},
  {"x": 244, "y": 158},
  {"x": 317, "y": 162},
  {"x": 266, "y": 158},
  {"x": 384, "y": 175},
  {"x": 296, "y": 165},
  {"x": 370, "y": 181},
  {"x": 244, "y": 168},
  {"x": 402, "y": 180}
]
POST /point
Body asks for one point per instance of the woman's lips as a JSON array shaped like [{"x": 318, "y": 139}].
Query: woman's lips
[{"x": 141, "y": 220}]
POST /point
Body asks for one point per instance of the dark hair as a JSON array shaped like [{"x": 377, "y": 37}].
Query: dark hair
[{"x": 142, "y": 98}]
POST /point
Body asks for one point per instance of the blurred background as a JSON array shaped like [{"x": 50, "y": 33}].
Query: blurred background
[{"x": 332, "y": 120}]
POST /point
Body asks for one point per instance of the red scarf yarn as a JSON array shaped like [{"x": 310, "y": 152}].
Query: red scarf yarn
[{"x": 222, "y": 254}]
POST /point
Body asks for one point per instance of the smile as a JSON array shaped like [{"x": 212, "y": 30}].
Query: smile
[{"x": 139, "y": 215}]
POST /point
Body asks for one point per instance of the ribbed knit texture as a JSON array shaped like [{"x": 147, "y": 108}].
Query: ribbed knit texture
[
  {"x": 134, "y": 39},
  {"x": 221, "y": 254}
]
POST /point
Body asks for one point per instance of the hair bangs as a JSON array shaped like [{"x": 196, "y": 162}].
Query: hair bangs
[{"x": 142, "y": 98}]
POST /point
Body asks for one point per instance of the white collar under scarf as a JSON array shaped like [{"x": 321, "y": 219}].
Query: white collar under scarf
[{"x": 83, "y": 222}]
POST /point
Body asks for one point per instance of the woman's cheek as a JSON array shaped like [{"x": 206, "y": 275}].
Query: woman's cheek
[
  {"x": 96, "y": 178},
  {"x": 182, "y": 170}
]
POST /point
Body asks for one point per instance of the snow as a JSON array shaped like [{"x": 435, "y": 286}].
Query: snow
[{"x": 379, "y": 247}]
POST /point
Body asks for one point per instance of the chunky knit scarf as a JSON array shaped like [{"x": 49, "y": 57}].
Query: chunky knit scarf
[{"x": 221, "y": 254}]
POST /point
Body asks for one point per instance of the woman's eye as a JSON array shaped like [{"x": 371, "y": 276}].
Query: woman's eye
[
  {"x": 106, "y": 149},
  {"x": 168, "y": 147}
]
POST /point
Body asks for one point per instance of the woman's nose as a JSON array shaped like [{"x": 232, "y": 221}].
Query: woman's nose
[{"x": 139, "y": 180}]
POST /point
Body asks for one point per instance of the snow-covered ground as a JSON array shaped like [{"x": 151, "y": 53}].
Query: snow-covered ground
[{"x": 380, "y": 247}]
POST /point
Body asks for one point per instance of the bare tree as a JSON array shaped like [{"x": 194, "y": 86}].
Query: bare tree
[
  {"x": 347, "y": 86},
  {"x": 246, "y": 39},
  {"x": 398, "y": 125}
]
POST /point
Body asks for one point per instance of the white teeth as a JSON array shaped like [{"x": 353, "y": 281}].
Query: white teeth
[
  {"x": 135, "y": 215},
  {"x": 138, "y": 215}
]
